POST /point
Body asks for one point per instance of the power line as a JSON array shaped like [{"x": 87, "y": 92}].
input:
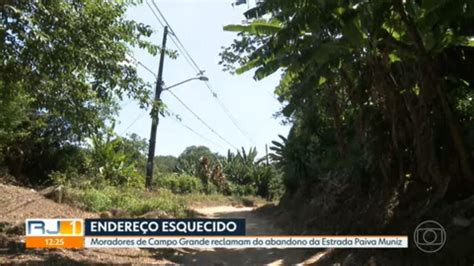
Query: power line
[
  {"x": 163, "y": 25},
  {"x": 172, "y": 33},
  {"x": 228, "y": 113},
  {"x": 196, "y": 67},
  {"x": 164, "y": 18},
  {"x": 156, "y": 16},
  {"x": 143, "y": 65},
  {"x": 129, "y": 101},
  {"x": 176, "y": 119},
  {"x": 201, "y": 120},
  {"x": 188, "y": 108},
  {"x": 180, "y": 47},
  {"x": 139, "y": 116}
]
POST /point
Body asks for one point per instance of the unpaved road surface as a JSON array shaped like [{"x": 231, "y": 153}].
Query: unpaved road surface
[
  {"x": 256, "y": 224},
  {"x": 18, "y": 204}
]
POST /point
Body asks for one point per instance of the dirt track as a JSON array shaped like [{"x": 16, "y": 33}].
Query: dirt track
[
  {"x": 17, "y": 204},
  {"x": 257, "y": 224}
]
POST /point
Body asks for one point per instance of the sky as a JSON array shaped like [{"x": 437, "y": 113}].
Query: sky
[{"x": 198, "y": 24}]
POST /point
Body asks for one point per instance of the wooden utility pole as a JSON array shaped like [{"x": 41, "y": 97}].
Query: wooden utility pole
[{"x": 155, "y": 113}]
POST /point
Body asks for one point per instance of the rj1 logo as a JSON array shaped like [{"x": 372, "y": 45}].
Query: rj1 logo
[{"x": 54, "y": 227}]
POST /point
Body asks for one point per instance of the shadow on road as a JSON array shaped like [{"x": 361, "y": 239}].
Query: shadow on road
[{"x": 256, "y": 224}]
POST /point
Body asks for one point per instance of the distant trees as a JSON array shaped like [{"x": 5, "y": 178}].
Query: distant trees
[
  {"x": 240, "y": 173},
  {"x": 189, "y": 161},
  {"x": 252, "y": 175},
  {"x": 166, "y": 164}
]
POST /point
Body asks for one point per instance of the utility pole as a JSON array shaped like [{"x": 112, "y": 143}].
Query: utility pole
[
  {"x": 155, "y": 113},
  {"x": 266, "y": 155}
]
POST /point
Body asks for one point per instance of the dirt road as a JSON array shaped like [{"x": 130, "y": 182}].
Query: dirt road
[
  {"x": 17, "y": 204},
  {"x": 257, "y": 224}
]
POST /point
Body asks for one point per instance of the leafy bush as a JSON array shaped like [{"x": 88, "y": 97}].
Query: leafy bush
[
  {"x": 242, "y": 190},
  {"x": 180, "y": 183},
  {"x": 268, "y": 182},
  {"x": 165, "y": 164},
  {"x": 96, "y": 200},
  {"x": 251, "y": 176},
  {"x": 113, "y": 162},
  {"x": 108, "y": 161},
  {"x": 276, "y": 188}
]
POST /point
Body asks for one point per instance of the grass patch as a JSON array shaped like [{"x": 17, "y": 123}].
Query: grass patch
[{"x": 135, "y": 202}]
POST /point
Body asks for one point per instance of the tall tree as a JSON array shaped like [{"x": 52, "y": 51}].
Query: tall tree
[
  {"x": 374, "y": 88},
  {"x": 64, "y": 66}
]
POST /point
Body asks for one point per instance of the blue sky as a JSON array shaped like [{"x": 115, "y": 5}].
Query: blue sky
[{"x": 199, "y": 24}]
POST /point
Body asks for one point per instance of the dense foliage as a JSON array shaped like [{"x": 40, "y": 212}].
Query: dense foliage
[
  {"x": 240, "y": 173},
  {"x": 63, "y": 68},
  {"x": 379, "y": 92}
]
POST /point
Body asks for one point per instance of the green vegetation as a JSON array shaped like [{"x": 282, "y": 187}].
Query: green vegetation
[
  {"x": 379, "y": 95},
  {"x": 180, "y": 183},
  {"x": 65, "y": 67},
  {"x": 108, "y": 174},
  {"x": 240, "y": 173},
  {"x": 132, "y": 202},
  {"x": 379, "y": 92},
  {"x": 166, "y": 164},
  {"x": 380, "y": 98},
  {"x": 108, "y": 160}
]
